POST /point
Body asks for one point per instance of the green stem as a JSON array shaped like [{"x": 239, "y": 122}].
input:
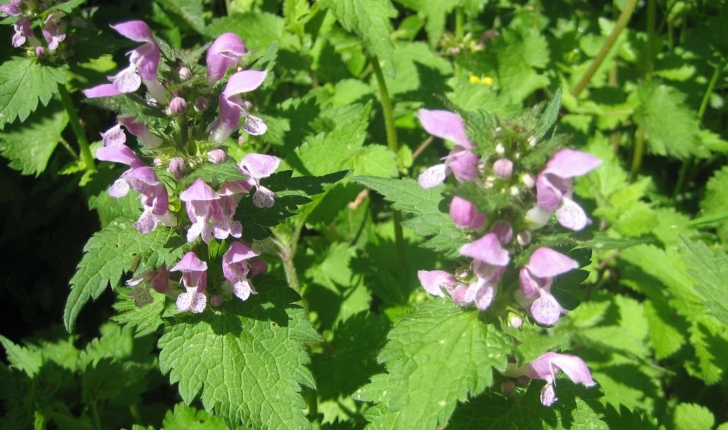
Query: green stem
[
  {"x": 85, "y": 149},
  {"x": 459, "y": 21},
  {"x": 608, "y": 44},
  {"x": 95, "y": 413},
  {"x": 651, "y": 37},
  {"x": 536, "y": 15},
  {"x": 688, "y": 163},
  {"x": 639, "y": 148},
  {"x": 392, "y": 143}
]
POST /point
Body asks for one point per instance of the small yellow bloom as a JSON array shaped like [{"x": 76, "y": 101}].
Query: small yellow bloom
[{"x": 485, "y": 80}]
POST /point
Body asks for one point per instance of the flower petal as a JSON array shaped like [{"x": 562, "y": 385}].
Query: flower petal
[
  {"x": 224, "y": 54},
  {"x": 465, "y": 214},
  {"x": 263, "y": 197},
  {"x": 446, "y": 125},
  {"x": 547, "y": 263},
  {"x": 433, "y": 176},
  {"x": 137, "y": 31},
  {"x": 545, "y": 309},
  {"x": 571, "y": 215},
  {"x": 487, "y": 249},
  {"x": 254, "y": 125},
  {"x": 259, "y": 165},
  {"x": 103, "y": 90},
  {"x": 434, "y": 280},
  {"x": 198, "y": 191},
  {"x": 190, "y": 263},
  {"x": 244, "y": 82},
  {"x": 569, "y": 163}
]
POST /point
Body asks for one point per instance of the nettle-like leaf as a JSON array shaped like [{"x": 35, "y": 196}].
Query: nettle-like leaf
[
  {"x": 436, "y": 356},
  {"x": 111, "y": 252},
  {"x": 709, "y": 269},
  {"x": 576, "y": 409},
  {"x": 29, "y": 145},
  {"x": 434, "y": 12},
  {"x": 191, "y": 11},
  {"x": 24, "y": 81},
  {"x": 131, "y": 105},
  {"x": 246, "y": 361},
  {"x": 671, "y": 127},
  {"x": 259, "y": 30},
  {"x": 407, "y": 195},
  {"x": 369, "y": 20},
  {"x": 715, "y": 201},
  {"x": 291, "y": 192},
  {"x": 188, "y": 418},
  {"x": 146, "y": 319},
  {"x": 343, "y": 148}
]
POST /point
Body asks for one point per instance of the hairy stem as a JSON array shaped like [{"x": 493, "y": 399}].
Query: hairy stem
[
  {"x": 608, "y": 44},
  {"x": 85, "y": 149},
  {"x": 639, "y": 148},
  {"x": 392, "y": 143},
  {"x": 651, "y": 36}
]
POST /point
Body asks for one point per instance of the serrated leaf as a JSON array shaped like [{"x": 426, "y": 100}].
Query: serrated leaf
[
  {"x": 407, "y": 195},
  {"x": 671, "y": 127},
  {"x": 437, "y": 356},
  {"x": 575, "y": 410},
  {"x": 24, "y": 81},
  {"x": 107, "y": 255},
  {"x": 343, "y": 148},
  {"x": 370, "y": 21},
  {"x": 420, "y": 73},
  {"x": 188, "y": 418},
  {"x": 434, "y": 12},
  {"x": 130, "y": 105},
  {"x": 716, "y": 198},
  {"x": 258, "y": 29},
  {"x": 29, "y": 145},
  {"x": 191, "y": 11},
  {"x": 246, "y": 361},
  {"x": 709, "y": 269},
  {"x": 691, "y": 416},
  {"x": 549, "y": 116},
  {"x": 145, "y": 319},
  {"x": 20, "y": 357},
  {"x": 710, "y": 341},
  {"x": 214, "y": 173},
  {"x": 290, "y": 193},
  {"x": 67, "y": 7}
]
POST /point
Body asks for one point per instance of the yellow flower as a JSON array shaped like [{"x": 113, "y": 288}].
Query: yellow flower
[{"x": 484, "y": 80}]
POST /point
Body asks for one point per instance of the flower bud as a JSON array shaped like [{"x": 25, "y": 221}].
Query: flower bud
[
  {"x": 528, "y": 180},
  {"x": 40, "y": 52},
  {"x": 514, "y": 321},
  {"x": 503, "y": 231},
  {"x": 500, "y": 149},
  {"x": 523, "y": 238},
  {"x": 216, "y": 300},
  {"x": 465, "y": 214},
  {"x": 178, "y": 105},
  {"x": 216, "y": 156},
  {"x": 532, "y": 141},
  {"x": 515, "y": 192},
  {"x": 508, "y": 388},
  {"x": 184, "y": 73},
  {"x": 177, "y": 167},
  {"x": 503, "y": 168},
  {"x": 157, "y": 161},
  {"x": 201, "y": 104}
]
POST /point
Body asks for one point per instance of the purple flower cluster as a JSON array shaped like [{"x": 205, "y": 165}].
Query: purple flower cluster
[
  {"x": 53, "y": 26},
  {"x": 210, "y": 207},
  {"x": 536, "y": 198}
]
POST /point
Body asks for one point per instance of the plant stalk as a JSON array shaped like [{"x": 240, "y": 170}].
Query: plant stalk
[
  {"x": 624, "y": 18},
  {"x": 85, "y": 149},
  {"x": 393, "y": 146},
  {"x": 651, "y": 37},
  {"x": 639, "y": 149}
]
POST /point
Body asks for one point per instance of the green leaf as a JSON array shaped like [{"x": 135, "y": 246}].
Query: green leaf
[
  {"x": 28, "y": 360},
  {"x": 709, "y": 269},
  {"x": 420, "y": 73},
  {"x": 290, "y": 193},
  {"x": 24, "y": 81},
  {"x": 343, "y": 148},
  {"x": 434, "y": 12},
  {"x": 716, "y": 198},
  {"x": 214, "y": 173},
  {"x": 257, "y": 29},
  {"x": 145, "y": 319},
  {"x": 369, "y": 20},
  {"x": 691, "y": 416},
  {"x": 549, "y": 116},
  {"x": 575, "y": 410},
  {"x": 407, "y": 195},
  {"x": 29, "y": 145},
  {"x": 108, "y": 254},
  {"x": 246, "y": 360},
  {"x": 188, "y": 418},
  {"x": 437, "y": 356},
  {"x": 710, "y": 341},
  {"x": 191, "y": 11},
  {"x": 67, "y": 7},
  {"x": 671, "y": 127}
]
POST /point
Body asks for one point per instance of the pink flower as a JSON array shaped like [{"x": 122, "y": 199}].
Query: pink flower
[
  {"x": 54, "y": 30},
  {"x": 460, "y": 161},
  {"x": 465, "y": 214},
  {"x": 143, "y": 62},
  {"x": 236, "y": 268},
  {"x": 256, "y": 167},
  {"x": 157, "y": 279},
  {"x": 233, "y": 108},
  {"x": 554, "y": 187},
  {"x": 194, "y": 279},
  {"x": 224, "y": 54},
  {"x": 536, "y": 278},
  {"x": 547, "y": 366},
  {"x": 201, "y": 206}
]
